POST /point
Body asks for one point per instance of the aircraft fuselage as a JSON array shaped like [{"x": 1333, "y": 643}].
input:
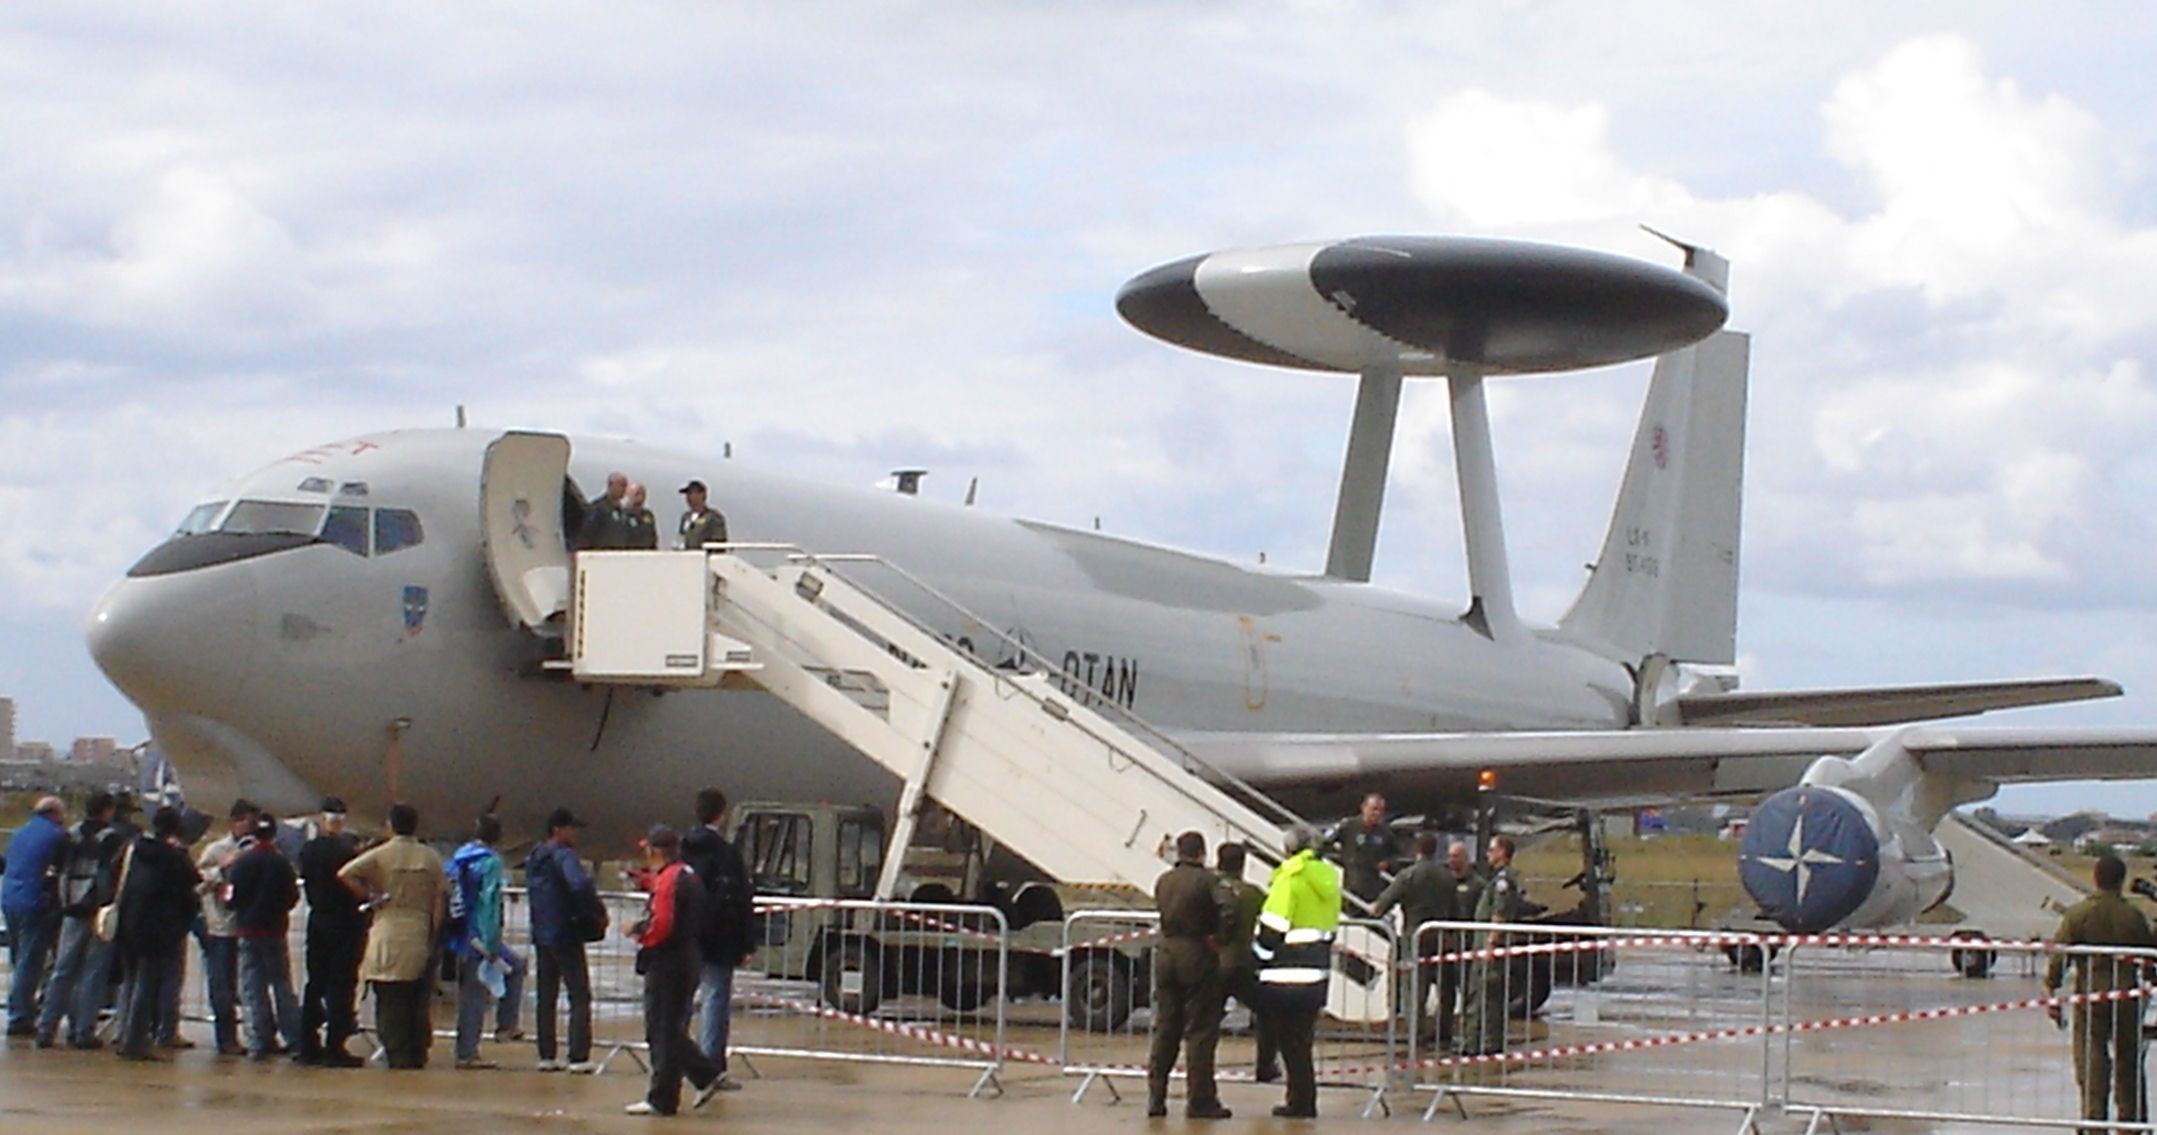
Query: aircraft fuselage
[{"x": 317, "y": 669}]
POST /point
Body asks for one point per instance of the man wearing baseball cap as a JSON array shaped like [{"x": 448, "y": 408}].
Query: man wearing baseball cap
[
  {"x": 702, "y": 524},
  {"x": 566, "y": 914},
  {"x": 668, "y": 957}
]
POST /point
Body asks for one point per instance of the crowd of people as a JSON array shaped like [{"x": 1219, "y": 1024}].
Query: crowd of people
[
  {"x": 1270, "y": 949},
  {"x": 99, "y": 913}
]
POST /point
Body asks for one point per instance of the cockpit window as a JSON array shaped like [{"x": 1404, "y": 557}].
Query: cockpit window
[
  {"x": 395, "y": 529},
  {"x": 347, "y": 528},
  {"x": 251, "y": 517},
  {"x": 201, "y": 518},
  {"x": 220, "y": 532}
]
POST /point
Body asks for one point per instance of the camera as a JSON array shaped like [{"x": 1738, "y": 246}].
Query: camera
[{"x": 2145, "y": 888}]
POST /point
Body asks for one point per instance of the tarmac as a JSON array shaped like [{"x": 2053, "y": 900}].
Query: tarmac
[{"x": 66, "y": 1091}]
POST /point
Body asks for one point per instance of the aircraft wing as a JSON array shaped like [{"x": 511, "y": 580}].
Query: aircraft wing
[
  {"x": 1882, "y": 705},
  {"x": 1649, "y": 766}
]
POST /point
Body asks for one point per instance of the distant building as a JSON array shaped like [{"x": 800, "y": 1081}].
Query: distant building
[
  {"x": 95, "y": 751},
  {"x": 34, "y": 752},
  {"x": 7, "y": 729}
]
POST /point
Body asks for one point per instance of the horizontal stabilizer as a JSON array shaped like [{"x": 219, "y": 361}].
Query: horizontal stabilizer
[{"x": 1881, "y": 705}]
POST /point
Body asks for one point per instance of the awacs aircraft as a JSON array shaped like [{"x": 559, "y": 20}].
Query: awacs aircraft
[{"x": 332, "y": 623}]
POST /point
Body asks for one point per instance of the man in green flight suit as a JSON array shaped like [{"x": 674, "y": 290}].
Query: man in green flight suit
[
  {"x": 2107, "y": 1033},
  {"x": 1187, "y": 993},
  {"x": 1367, "y": 849},
  {"x": 1483, "y": 1025},
  {"x": 1425, "y": 893},
  {"x": 1240, "y": 903}
]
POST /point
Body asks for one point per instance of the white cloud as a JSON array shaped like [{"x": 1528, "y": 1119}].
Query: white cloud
[{"x": 1490, "y": 163}]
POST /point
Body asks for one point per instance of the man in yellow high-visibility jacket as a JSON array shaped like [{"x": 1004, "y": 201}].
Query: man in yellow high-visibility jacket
[{"x": 1294, "y": 950}]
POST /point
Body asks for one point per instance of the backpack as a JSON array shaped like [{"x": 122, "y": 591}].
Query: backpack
[
  {"x": 86, "y": 876},
  {"x": 454, "y": 930}
]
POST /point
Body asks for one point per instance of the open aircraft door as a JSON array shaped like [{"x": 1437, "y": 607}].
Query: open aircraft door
[{"x": 520, "y": 502}]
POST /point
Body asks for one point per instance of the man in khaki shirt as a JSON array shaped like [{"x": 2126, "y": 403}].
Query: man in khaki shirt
[
  {"x": 402, "y": 882},
  {"x": 2107, "y": 1033}
]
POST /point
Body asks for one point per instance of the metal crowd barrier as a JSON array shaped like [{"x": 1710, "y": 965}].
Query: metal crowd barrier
[
  {"x": 891, "y": 982},
  {"x": 1570, "y": 1012},
  {"x": 905, "y": 983},
  {"x": 1829, "y": 1027},
  {"x": 1962, "y": 1049},
  {"x": 1106, "y": 1027}
]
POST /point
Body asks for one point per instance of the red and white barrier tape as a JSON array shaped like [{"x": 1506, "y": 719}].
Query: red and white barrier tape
[{"x": 898, "y": 1028}]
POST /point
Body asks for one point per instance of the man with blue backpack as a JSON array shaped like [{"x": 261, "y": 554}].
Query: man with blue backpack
[{"x": 487, "y": 970}]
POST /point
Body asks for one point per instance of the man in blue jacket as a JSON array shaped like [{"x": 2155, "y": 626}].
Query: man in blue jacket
[
  {"x": 566, "y": 913},
  {"x": 31, "y": 909},
  {"x": 474, "y": 935}
]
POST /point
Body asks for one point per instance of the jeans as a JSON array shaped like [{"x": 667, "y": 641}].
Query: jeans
[
  {"x": 167, "y": 1028},
  {"x": 141, "y": 1012},
  {"x": 30, "y": 942},
  {"x": 716, "y": 992},
  {"x": 273, "y": 1009},
  {"x": 81, "y": 976},
  {"x": 561, "y": 966},
  {"x": 221, "y": 973},
  {"x": 474, "y": 999}
]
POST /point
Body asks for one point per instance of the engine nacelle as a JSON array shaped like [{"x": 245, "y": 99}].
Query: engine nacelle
[{"x": 1820, "y": 857}]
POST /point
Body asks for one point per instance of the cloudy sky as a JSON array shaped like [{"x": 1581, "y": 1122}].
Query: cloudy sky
[{"x": 843, "y": 237}]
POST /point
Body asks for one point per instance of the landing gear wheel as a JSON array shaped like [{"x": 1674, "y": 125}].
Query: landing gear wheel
[
  {"x": 1750, "y": 958},
  {"x": 1972, "y": 961}
]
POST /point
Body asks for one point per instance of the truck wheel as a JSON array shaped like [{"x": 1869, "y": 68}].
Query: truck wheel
[
  {"x": 964, "y": 979},
  {"x": 1099, "y": 999},
  {"x": 853, "y": 978}
]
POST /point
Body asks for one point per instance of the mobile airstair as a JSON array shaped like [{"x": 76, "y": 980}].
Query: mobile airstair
[{"x": 999, "y": 747}]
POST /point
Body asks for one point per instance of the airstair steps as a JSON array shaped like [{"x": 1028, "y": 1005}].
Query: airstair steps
[{"x": 1084, "y": 798}]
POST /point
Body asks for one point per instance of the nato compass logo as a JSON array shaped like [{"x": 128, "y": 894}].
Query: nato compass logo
[
  {"x": 1808, "y": 858},
  {"x": 415, "y": 610}
]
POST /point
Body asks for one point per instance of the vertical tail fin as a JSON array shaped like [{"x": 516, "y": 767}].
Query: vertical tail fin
[{"x": 1667, "y": 581}]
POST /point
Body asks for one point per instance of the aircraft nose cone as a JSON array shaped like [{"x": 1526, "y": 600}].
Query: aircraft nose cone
[{"x": 178, "y": 643}]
